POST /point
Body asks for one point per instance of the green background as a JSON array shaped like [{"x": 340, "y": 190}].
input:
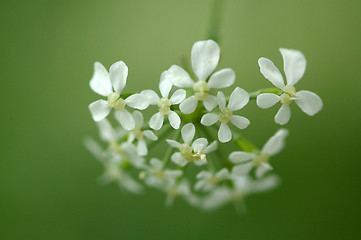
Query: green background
[{"x": 48, "y": 186}]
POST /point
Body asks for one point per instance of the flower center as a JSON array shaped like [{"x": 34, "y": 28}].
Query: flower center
[
  {"x": 164, "y": 106},
  {"x": 214, "y": 180},
  {"x": 114, "y": 146},
  {"x": 201, "y": 89},
  {"x": 263, "y": 158},
  {"x": 225, "y": 115},
  {"x": 114, "y": 101},
  {"x": 290, "y": 90},
  {"x": 187, "y": 152},
  {"x": 138, "y": 133},
  {"x": 159, "y": 174}
]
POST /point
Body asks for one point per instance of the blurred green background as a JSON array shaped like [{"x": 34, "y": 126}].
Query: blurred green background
[{"x": 48, "y": 186}]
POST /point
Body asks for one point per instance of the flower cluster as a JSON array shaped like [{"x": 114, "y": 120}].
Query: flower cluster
[{"x": 181, "y": 149}]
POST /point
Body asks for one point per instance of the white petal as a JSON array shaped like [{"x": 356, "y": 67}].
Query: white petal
[
  {"x": 240, "y": 156},
  {"x": 179, "y": 77},
  {"x": 205, "y": 56},
  {"x": 173, "y": 173},
  {"x": 138, "y": 118},
  {"x": 238, "y": 99},
  {"x": 125, "y": 119},
  {"x": 118, "y": 74},
  {"x": 240, "y": 122},
  {"x": 150, "y": 135},
  {"x": 212, "y": 147},
  {"x": 174, "y": 119},
  {"x": 173, "y": 143},
  {"x": 267, "y": 100},
  {"x": 152, "y": 96},
  {"x": 262, "y": 169},
  {"x": 221, "y": 100},
  {"x": 156, "y": 121},
  {"x": 100, "y": 82},
  {"x": 156, "y": 163},
  {"x": 178, "y": 96},
  {"x": 189, "y": 105},
  {"x": 224, "y": 133},
  {"x": 199, "y": 144},
  {"x": 283, "y": 115},
  {"x": 210, "y": 103},
  {"x": 309, "y": 102},
  {"x": 204, "y": 174},
  {"x": 276, "y": 143},
  {"x": 137, "y": 101},
  {"x": 209, "y": 119},
  {"x": 294, "y": 65},
  {"x": 222, "y": 78},
  {"x": 165, "y": 85},
  {"x": 107, "y": 133},
  {"x": 142, "y": 148},
  {"x": 242, "y": 169},
  {"x": 200, "y": 185},
  {"x": 271, "y": 72},
  {"x": 99, "y": 110},
  {"x": 223, "y": 173},
  {"x": 188, "y": 132},
  {"x": 178, "y": 159}
]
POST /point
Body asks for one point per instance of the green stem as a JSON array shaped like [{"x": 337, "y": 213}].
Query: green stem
[
  {"x": 213, "y": 31},
  {"x": 253, "y": 95},
  {"x": 160, "y": 138},
  {"x": 170, "y": 151}
]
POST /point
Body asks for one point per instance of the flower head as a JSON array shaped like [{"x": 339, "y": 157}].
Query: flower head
[
  {"x": 204, "y": 57},
  {"x": 259, "y": 160},
  {"x": 208, "y": 180},
  {"x": 164, "y": 103},
  {"x": 239, "y": 98},
  {"x": 294, "y": 67},
  {"x": 111, "y": 85},
  {"x": 189, "y": 152}
]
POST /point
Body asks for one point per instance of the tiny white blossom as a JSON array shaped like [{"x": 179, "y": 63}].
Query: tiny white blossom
[
  {"x": 121, "y": 151},
  {"x": 113, "y": 169},
  {"x": 164, "y": 103},
  {"x": 238, "y": 99},
  {"x": 189, "y": 152},
  {"x": 111, "y": 85},
  {"x": 156, "y": 176},
  {"x": 294, "y": 67},
  {"x": 204, "y": 58},
  {"x": 259, "y": 160},
  {"x": 208, "y": 180},
  {"x": 138, "y": 133},
  {"x": 176, "y": 189}
]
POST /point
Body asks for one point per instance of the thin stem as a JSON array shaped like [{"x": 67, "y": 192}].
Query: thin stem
[
  {"x": 253, "y": 95},
  {"x": 214, "y": 26},
  {"x": 160, "y": 138},
  {"x": 170, "y": 151}
]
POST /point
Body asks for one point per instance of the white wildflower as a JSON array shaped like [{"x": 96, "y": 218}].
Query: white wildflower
[
  {"x": 164, "y": 103},
  {"x": 189, "y": 152},
  {"x": 139, "y": 134},
  {"x": 259, "y": 160},
  {"x": 294, "y": 67},
  {"x": 204, "y": 57},
  {"x": 111, "y": 85},
  {"x": 238, "y": 99},
  {"x": 208, "y": 180}
]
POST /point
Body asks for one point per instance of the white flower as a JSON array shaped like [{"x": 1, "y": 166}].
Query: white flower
[
  {"x": 197, "y": 152},
  {"x": 204, "y": 57},
  {"x": 238, "y": 99},
  {"x": 242, "y": 187},
  {"x": 111, "y": 85},
  {"x": 138, "y": 133},
  {"x": 156, "y": 176},
  {"x": 260, "y": 160},
  {"x": 182, "y": 189},
  {"x": 120, "y": 151},
  {"x": 294, "y": 67},
  {"x": 164, "y": 103},
  {"x": 208, "y": 180},
  {"x": 113, "y": 168}
]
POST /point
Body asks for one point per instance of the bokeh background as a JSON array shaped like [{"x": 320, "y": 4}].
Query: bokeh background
[{"x": 48, "y": 186}]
